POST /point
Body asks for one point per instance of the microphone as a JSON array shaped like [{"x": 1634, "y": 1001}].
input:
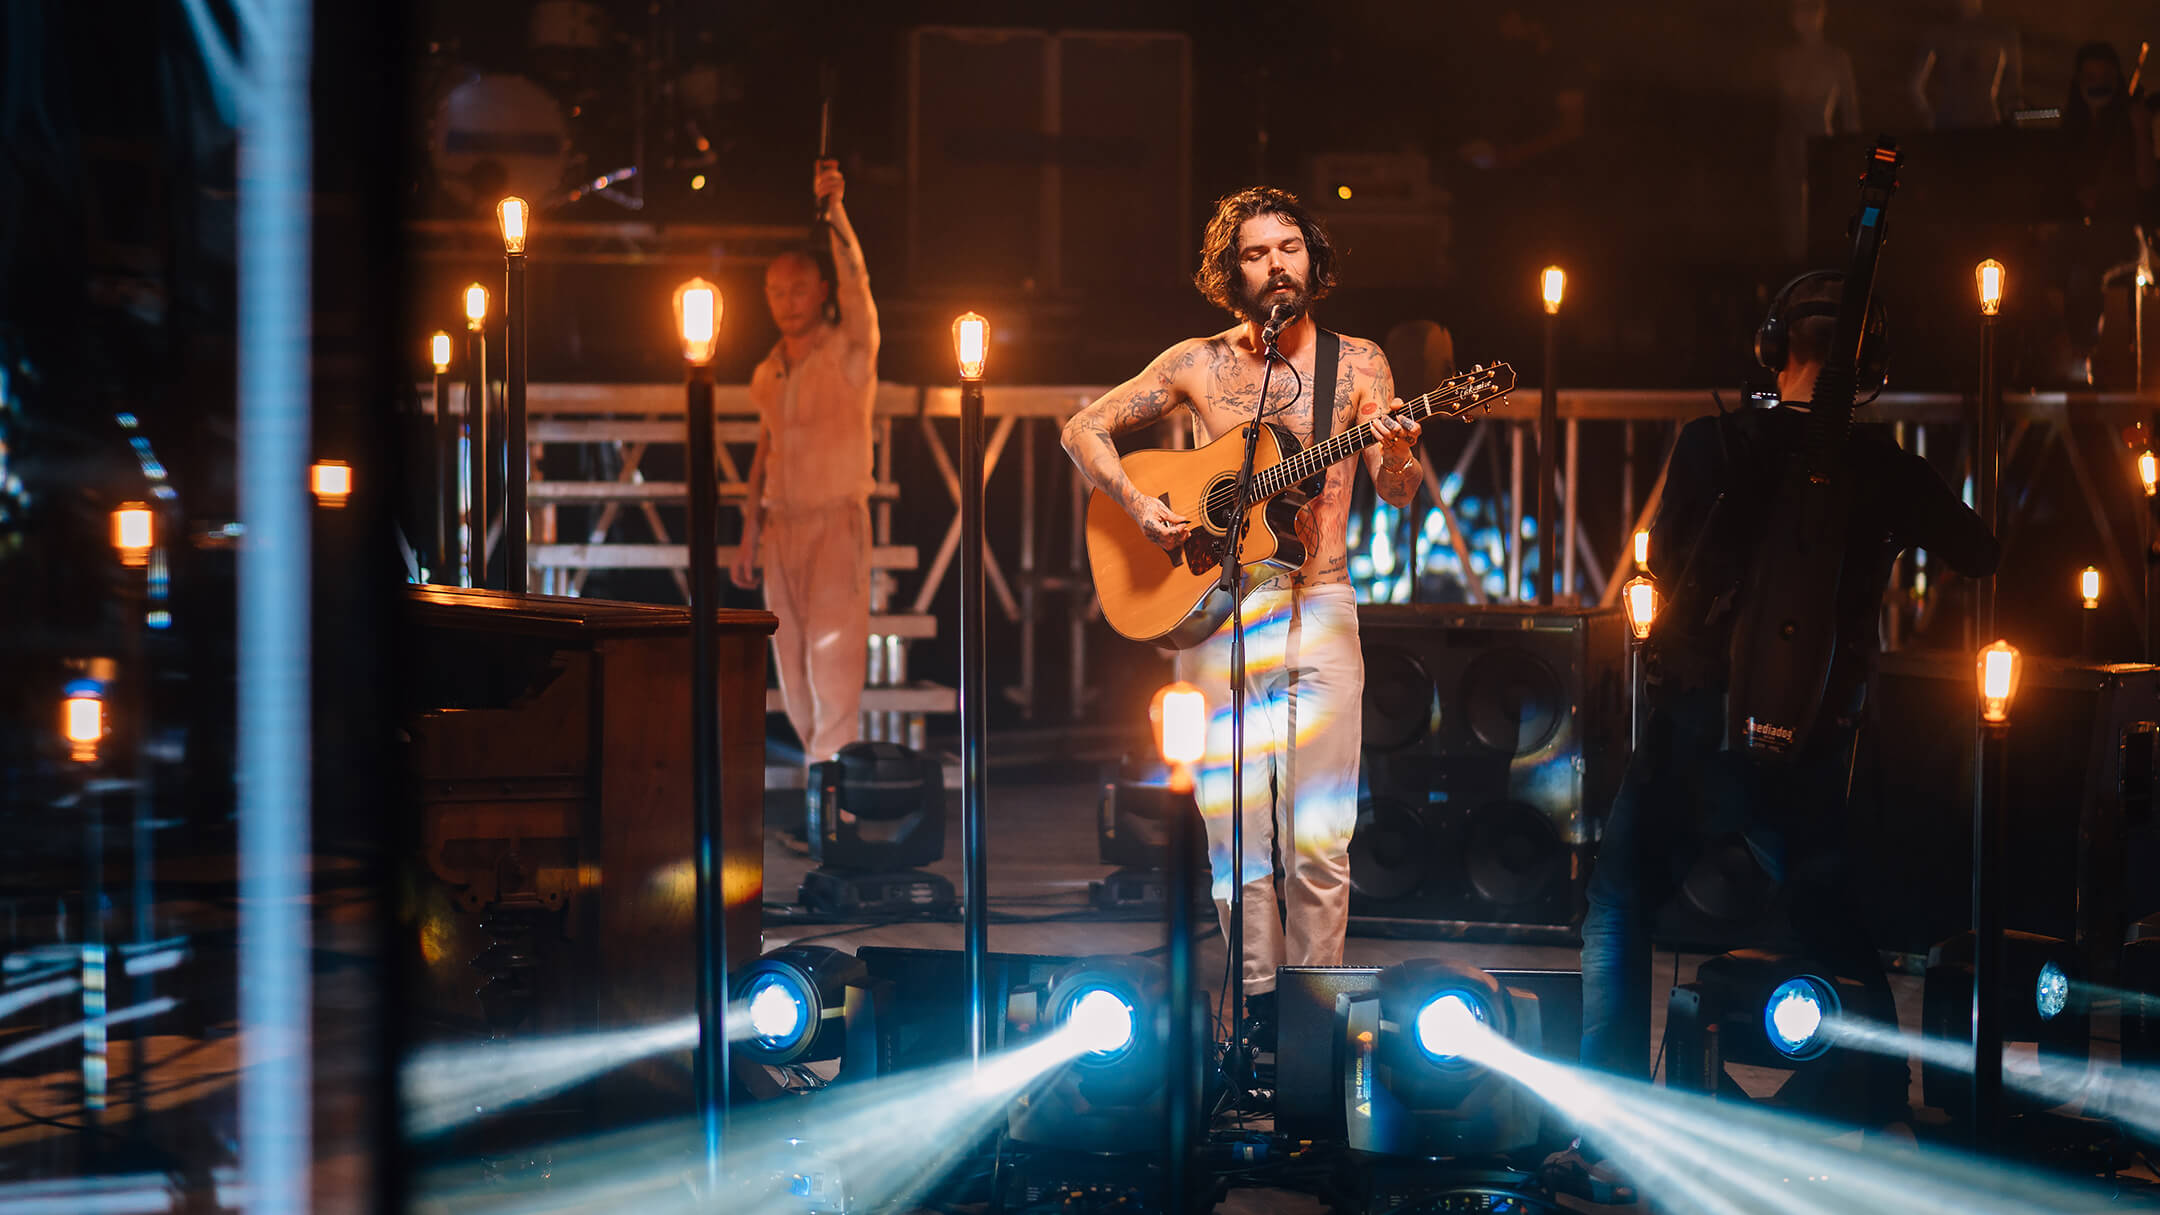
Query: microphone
[
  {"x": 824, "y": 137},
  {"x": 1275, "y": 321}
]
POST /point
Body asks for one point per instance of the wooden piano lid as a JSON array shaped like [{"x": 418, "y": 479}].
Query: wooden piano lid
[{"x": 457, "y": 607}]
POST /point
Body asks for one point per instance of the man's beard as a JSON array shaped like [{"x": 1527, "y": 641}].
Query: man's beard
[{"x": 1254, "y": 306}]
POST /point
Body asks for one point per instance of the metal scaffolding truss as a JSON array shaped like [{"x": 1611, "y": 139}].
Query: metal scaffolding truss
[{"x": 630, "y": 418}]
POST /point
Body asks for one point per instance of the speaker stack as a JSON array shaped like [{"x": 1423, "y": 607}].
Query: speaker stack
[
  {"x": 2082, "y": 843},
  {"x": 2082, "y": 848},
  {"x": 1022, "y": 147},
  {"x": 1494, "y": 740}
]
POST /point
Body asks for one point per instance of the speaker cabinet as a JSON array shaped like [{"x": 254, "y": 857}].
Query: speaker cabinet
[
  {"x": 1032, "y": 154},
  {"x": 1494, "y": 741},
  {"x": 2079, "y": 801}
]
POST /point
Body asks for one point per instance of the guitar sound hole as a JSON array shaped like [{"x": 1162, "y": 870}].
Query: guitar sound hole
[{"x": 1219, "y": 500}]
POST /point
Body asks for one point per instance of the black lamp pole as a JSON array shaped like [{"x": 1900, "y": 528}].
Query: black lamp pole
[
  {"x": 446, "y": 436},
  {"x": 712, "y": 1084},
  {"x": 515, "y": 452},
  {"x": 1548, "y": 418},
  {"x": 476, "y": 439},
  {"x": 1990, "y": 774},
  {"x": 1987, "y": 450},
  {"x": 2147, "y": 530},
  {"x": 974, "y": 704},
  {"x": 1990, "y": 761},
  {"x": 1182, "y": 1058}
]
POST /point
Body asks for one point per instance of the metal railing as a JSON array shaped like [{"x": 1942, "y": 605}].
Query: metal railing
[{"x": 1594, "y": 541}]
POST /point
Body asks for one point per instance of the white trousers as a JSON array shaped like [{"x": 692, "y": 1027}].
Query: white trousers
[
  {"x": 1304, "y": 685},
  {"x": 817, "y": 581}
]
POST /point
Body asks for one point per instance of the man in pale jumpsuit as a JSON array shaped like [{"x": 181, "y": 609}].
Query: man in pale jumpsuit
[
  {"x": 1304, "y": 674},
  {"x": 1977, "y": 69},
  {"x": 810, "y": 482}
]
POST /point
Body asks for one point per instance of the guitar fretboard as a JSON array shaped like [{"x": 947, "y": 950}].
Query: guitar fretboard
[{"x": 1457, "y": 396}]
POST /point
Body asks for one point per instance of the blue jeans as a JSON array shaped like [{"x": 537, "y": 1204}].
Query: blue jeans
[{"x": 1680, "y": 792}]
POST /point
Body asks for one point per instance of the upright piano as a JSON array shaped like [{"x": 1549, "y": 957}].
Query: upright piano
[{"x": 550, "y": 885}]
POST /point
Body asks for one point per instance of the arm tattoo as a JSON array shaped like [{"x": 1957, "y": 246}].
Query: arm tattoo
[
  {"x": 1383, "y": 381},
  {"x": 1138, "y": 402},
  {"x": 1140, "y": 408},
  {"x": 1399, "y": 485},
  {"x": 1396, "y": 485}
]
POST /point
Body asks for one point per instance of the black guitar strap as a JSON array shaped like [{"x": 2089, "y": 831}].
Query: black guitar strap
[{"x": 1325, "y": 355}]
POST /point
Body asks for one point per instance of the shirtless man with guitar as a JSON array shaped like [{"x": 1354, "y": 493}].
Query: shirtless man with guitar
[{"x": 1304, "y": 670}]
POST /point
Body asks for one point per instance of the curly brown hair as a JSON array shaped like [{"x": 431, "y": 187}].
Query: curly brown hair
[{"x": 1217, "y": 277}]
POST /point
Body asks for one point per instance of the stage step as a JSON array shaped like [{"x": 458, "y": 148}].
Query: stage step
[
  {"x": 577, "y": 492},
  {"x": 912, "y": 698},
  {"x": 791, "y": 776},
  {"x": 912, "y": 626},
  {"x": 675, "y": 556},
  {"x": 542, "y": 430}
]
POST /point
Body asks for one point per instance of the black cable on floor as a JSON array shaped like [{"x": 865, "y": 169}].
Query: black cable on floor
[{"x": 1660, "y": 1060}]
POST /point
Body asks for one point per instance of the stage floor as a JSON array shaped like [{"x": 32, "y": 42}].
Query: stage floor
[{"x": 1042, "y": 857}]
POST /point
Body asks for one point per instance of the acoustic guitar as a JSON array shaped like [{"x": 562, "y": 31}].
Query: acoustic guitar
[{"x": 1176, "y": 599}]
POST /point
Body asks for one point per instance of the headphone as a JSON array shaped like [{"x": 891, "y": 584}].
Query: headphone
[{"x": 1773, "y": 339}]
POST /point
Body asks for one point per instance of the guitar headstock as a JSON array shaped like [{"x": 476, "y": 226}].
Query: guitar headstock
[{"x": 1476, "y": 388}]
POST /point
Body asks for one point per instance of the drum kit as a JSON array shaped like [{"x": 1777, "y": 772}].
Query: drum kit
[{"x": 570, "y": 126}]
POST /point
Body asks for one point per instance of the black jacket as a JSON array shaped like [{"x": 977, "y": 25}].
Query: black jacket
[{"x": 1899, "y": 502}]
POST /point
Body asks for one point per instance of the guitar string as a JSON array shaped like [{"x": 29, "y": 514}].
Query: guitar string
[
  {"x": 1274, "y": 480},
  {"x": 1305, "y": 463},
  {"x": 1311, "y": 460}
]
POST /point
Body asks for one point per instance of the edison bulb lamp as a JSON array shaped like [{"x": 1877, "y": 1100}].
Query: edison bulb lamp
[
  {"x": 1988, "y": 276},
  {"x": 476, "y": 304},
  {"x": 512, "y": 214},
  {"x": 1998, "y": 670},
  {"x": 133, "y": 533},
  {"x": 1641, "y": 597},
  {"x": 332, "y": 482},
  {"x": 1180, "y": 713},
  {"x": 82, "y": 719},
  {"x": 1554, "y": 282},
  {"x": 697, "y": 319},
  {"x": 971, "y": 344},
  {"x": 439, "y": 352}
]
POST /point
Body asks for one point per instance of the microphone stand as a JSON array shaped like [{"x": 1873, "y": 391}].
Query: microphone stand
[{"x": 1232, "y": 577}]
